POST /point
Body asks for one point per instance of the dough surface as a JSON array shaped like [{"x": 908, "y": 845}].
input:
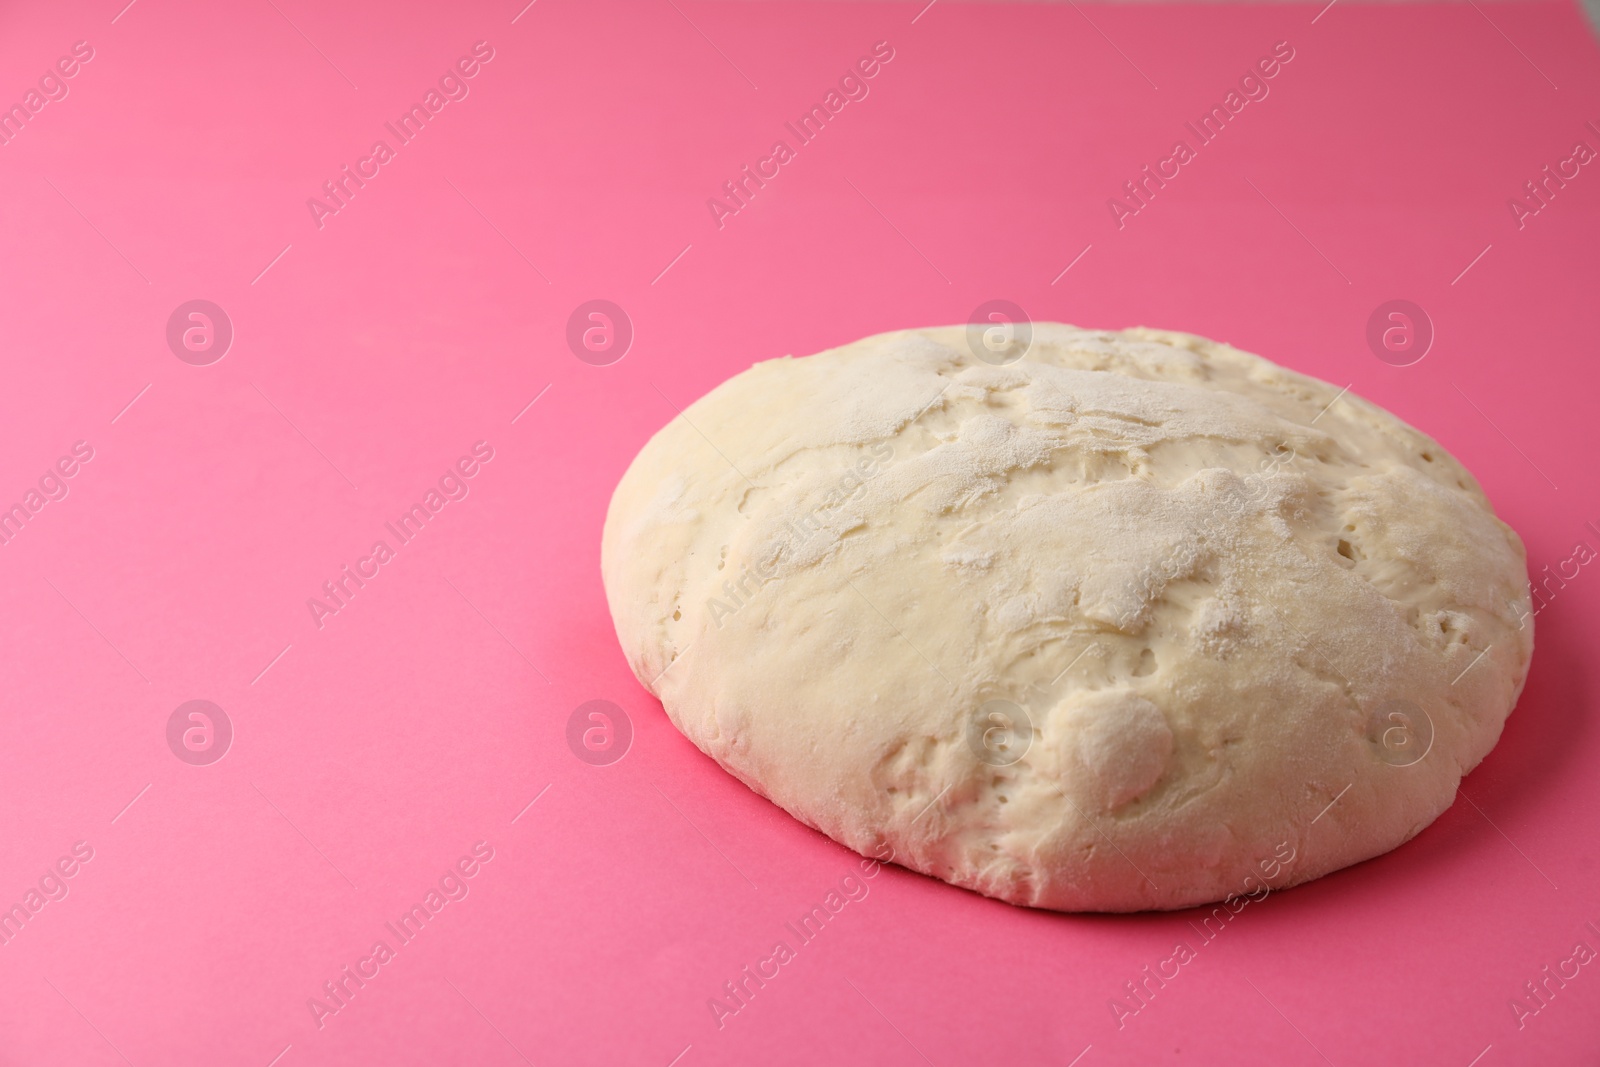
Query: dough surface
[{"x": 1135, "y": 621}]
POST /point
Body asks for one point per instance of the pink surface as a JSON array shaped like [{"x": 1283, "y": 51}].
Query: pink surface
[{"x": 373, "y": 751}]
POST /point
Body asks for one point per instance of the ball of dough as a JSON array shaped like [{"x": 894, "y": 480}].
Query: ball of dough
[{"x": 1134, "y": 621}]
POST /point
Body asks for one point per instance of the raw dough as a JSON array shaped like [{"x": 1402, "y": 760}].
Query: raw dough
[{"x": 1136, "y": 621}]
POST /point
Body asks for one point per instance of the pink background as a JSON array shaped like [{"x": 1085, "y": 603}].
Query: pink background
[{"x": 424, "y": 717}]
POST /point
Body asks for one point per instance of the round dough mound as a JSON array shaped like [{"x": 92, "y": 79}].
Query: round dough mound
[{"x": 1136, "y": 621}]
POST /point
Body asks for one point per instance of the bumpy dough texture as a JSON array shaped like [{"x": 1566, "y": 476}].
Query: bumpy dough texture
[{"x": 1205, "y": 581}]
